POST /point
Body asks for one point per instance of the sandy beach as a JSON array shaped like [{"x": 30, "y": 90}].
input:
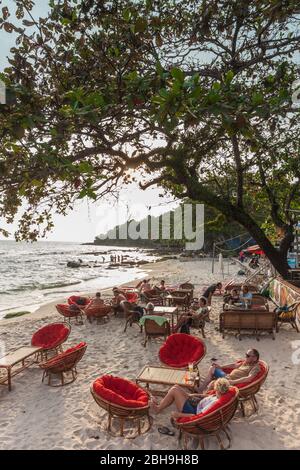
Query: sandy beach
[{"x": 35, "y": 416}]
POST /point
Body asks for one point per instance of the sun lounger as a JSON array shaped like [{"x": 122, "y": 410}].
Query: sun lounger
[{"x": 15, "y": 362}]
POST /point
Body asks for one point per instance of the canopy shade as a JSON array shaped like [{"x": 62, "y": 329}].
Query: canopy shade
[{"x": 254, "y": 250}]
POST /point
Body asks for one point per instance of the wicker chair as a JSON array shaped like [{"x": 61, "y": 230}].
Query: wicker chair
[
  {"x": 180, "y": 350},
  {"x": 50, "y": 339},
  {"x": 247, "y": 391},
  {"x": 288, "y": 316},
  {"x": 151, "y": 296},
  {"x": 62, "y": 364},
  {"x": 68, "y": 313},
  {"x": 131, "y": 316},
  {"x": 123, "y": 400},
  {"x": 99, "y": 313},
  {"x": 153, "y": 330},
  {"x": 178, "y": 298},
  {"x": 210, "y": 423}
]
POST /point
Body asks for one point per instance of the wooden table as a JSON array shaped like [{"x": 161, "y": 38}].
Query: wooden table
[
  {"x": 167, "y": 311},
  {"x": 19, "y": 356},
  {"x": 166, "y": 376}
]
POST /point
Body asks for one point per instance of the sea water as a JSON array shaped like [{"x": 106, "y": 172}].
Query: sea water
[{"x": 32, "y": 274}]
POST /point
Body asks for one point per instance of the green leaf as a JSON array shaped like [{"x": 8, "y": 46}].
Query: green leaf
[
  {"x": 85, "y": 167},
  {"x": 257, "y": 98},
  {"x": 127, "y": 14},
  {"x": 177, "y": 74},
  {"x": 216, "y": 86},
  {"x": 140, "y": 25},
  {"x": 229, "y": 76}
]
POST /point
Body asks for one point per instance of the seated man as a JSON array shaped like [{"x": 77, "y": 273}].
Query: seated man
[
  {"x": 246, "y": 296},
  {"x": 190, "y": 404},
  {"x": 162, "y": 286},
  {"x": 117, "y": 300},
  {"x": 242, "y": 371},
  {"x": 197, "y": 316},
  {"x": 232, "y": 298},
  {"x": 145, "y": 286},
  {"x": 208, "y": 293},
  {"x": 96, "y": 301}
]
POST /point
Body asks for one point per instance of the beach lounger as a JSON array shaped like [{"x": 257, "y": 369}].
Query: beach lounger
[{"x": 15, "y": 362}]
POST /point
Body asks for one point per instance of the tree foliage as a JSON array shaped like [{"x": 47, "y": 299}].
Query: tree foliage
[{"x": 195, "y": 95}]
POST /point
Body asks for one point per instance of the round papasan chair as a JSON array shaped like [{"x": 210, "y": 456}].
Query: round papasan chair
[
  {"x": 50, "y": 338},
  {"x": 62, "y": 364},
  {"x": 248, "y": 390},
  {"x": 180, "y": 350},
  {"x": 124, "y": 400},
  {"x": 75, "y": 298},
  {"x": 69, "y": 313},
  {"x": 210, "y": 422}
]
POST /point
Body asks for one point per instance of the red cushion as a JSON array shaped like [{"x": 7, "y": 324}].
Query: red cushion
[
  {"x": 120, "y": 392},
  {"x": 226, "y": 398},
  {"x": 50, "y": 336},
  {"x": 240, "y": 385},
  {"x": 131, "y": 296},
  {"x": 73, "y": 300},
  {"x": 181, "y": 349}
]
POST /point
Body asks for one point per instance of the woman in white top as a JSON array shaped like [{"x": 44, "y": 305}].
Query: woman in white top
[{"x": 190, "y": 404}]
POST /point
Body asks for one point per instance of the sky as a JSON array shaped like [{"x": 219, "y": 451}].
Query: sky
[{"x": 88, "y": 218}]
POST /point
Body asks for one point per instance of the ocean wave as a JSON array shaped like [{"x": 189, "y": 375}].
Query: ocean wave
[{"x": 58, "y": 284}]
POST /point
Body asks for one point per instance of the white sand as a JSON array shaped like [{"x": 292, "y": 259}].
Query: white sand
[{"x": 35, "y": 416}]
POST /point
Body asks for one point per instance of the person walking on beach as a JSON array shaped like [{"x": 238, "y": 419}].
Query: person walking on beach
[{"x": 208, "y": 293}]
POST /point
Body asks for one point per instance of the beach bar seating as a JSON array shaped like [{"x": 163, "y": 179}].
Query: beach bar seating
[
  {"x": 180, "y": 350},
  {"x": 211, "y": 422},
  {"x": 62, "y": 364},
  {"x": 49, "y": 339},
  {"x": 255, "y": 320},
  {"x": 69, "y": 313},
  {"x": 155, "y": 327},
  {"x": 123, "y": 400},
  {"x": 99, "y": 313},
  {"x": 46, "y": 340},
  {"x": 247, "y": 391}
]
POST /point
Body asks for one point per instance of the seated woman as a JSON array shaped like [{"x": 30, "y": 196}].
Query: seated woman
[
  {"x": 190, "y": 404},
  {"x": 246, "y": 296}
]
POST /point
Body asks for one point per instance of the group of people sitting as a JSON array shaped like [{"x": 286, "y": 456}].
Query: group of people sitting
[
  {"x": 190, "y": 404},
  {"x": 243, "y": 297}
]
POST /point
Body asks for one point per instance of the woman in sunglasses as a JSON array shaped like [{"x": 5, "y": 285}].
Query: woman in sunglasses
[{"x": 242, "y": 371}]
